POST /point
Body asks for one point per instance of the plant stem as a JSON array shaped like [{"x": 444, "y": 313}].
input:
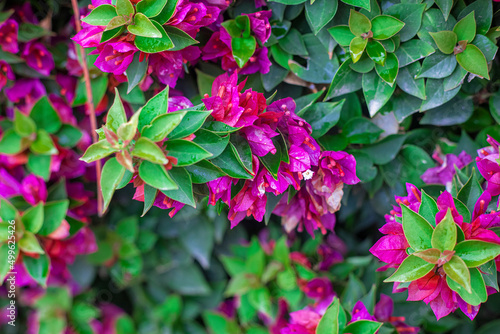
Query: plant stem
[{"x": 90, "y": 105}]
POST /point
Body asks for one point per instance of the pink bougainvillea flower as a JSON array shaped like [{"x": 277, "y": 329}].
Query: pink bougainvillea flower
[
  {"x": 115, "y": 57},
  {"x": 33, "y": 189},
  {"x": 220, "y": 189},
  {"x": 176, "y": 103},
  {"x": 331, "y": 251},
  {"x": 259, "y": 24},
  {"x": 6, "y": 73},
  {"x": 8, "y": 36},
  {"x": 168, "y": 66},
  {"x": 391, "y": 248},
  {"x": 259, "y": 139},
  {"x": 302, "y": 322},
  {"x": 9, "y": 186},
  {"x": 383, "y": 312},
  {"x": 444, "y": 173},
  {"x": 68, "y": 86},
  {"x": 89, "y": 37},
  {"x": 337, "y": 167},
  {"x": 38, "y": 57},
  {"x": 190, "y": 16},
  {"x": 359, "y": 312},
  {"x": 25, "y": 92},
  {"x": 444, "y": 202},
  {"x": 320, "y": 289},
  {"x": 412, "y": 201}
]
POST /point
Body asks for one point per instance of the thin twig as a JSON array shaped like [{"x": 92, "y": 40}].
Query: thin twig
[{"x": 90, "y": 105}]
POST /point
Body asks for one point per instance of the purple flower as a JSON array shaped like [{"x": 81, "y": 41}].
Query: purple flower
[
  {"x": 391, "y": 248},
  {"x": 115, "y": 57},
  {"x": 220, "y": 189},
  {"x": 28, "y": 89},
  {"x": 38, "y": 57},
  {"x": 8, "y": 36},
  {"x": 487, "y": 164},
  {"x": 33, "y": 189},
  {"x": 5, "y": 73},
  {"x": 89, "y": 37},
  {"x": 444, "y": 173},
  {"x": 190, "y": 16},
  {"x": 246, "y": 203},
  {"x": 169, "y": 65},
  {"x": 8, "y": 185},
  {"x": 259, "y": 23},
  {"x": 335, "y": 167},
  {"x": 259, "y": 139},
  {"x": 68, "y": 86},
  {"x": 359, "y": 312},
  {"x": 178, "y": 103}
]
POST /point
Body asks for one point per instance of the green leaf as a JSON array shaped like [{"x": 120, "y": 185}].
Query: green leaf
[
  {"x": 322, "y": 116},
  {"x": 356, "y": 48},
  {"x": 219, "y": 127},
  {"x": 45, "y": 116},
  {"x": 53, "y": 215},
  {"x": 243, "y": 48},
  {"x": 154, "y": 45},
  {"x": 144, "y": 27},
  {"x": 376, "y": 52},
  {"x": 204, "y": 171},
  {"x": 437, "y": 66},
  {"x": 385, "y": 150},
  {"x": 385, "y": 26},
  {"x": 68, "y": 135},
  {"x": 430, "y": 255},
  {"x": 33, "y": 218},
  {"x": 38, "y": 268},
  {"x": 124, "y": 7},
  {"x": 97, "y": 151},
  {"x": 293, "y": 43},
  {"x": 156, "y": 106},
  {"x": 150, "y": 8},
  {"x": 445, "y": 40},
  {"x": 320, "y": 13},
  {"x": 186, "y": 152},
  {"x": 470, "y": 192},
  {"x": 436, "y": 96},
  {"x": 428, "y": 209},
  {"x": 455, "y": 79},
  {"x": 185, "y": 192},
  {"x": 11, "y": 142},
  {"x": 23, "y": 125},
  {"x": 487, "y": 47},
  {"x": 156, "y": 176},
  {"x": 444, "y": 236},
  {"x": 146, "y": 149},
  {"x": 192, "y": 122},
  {"x": 363, "y": 326},
  {"x": 360, "y": 130},
  {"x": 7, "y": 211},
  {"x": 43, "y": 144},
  {"x": 466, "y": 28},
  {"x": 407, "y": 82},
  {"x": 478, "y": 292},
  {"x": 117, "y": 22},
  {"x": 376, "y": 91},
  {"x": 39, "y": 165},
  {"x": 389, "y": 71},
  {"x": 417, "y": 230},
  {"x": 342, "y": 34},
  {"x": 229, "y": 163},
  {"x": 167, "y": 12},
  {"x": 476, "y": 252},
  {"x": 364, "y": 65},
  {"x": 358, "y": 23},
  {"x": 243, "y": 151},
  {"x": 180, "y": 39},
  {"x": 329, "y": 323},
  {"x": 116, "y": 114},
  {"x": 489, "y": 274},
  {"x": 211, "y": 142},
  {"x": 112, "y": 173},
  {"x": 456, "y": 111},
  {"x": 162, "y": 125},
  {"x": 458, "y": 272},
  {"x": 483, "y": 13},
  {"x": 473, "y": 61},
  {"x": 30, "y": 244},
  {"x": 365, "y": 4},
  {"x": 412, "y": 268},
  {"x": 136, "y": 71},
  {"x": 101, "y": 15},
  {"x": 445, "y": 6},
  {"x": 345, "y": 81},
  {"x": 413, "y": 50},
  {"x": 411, "y": 15}
]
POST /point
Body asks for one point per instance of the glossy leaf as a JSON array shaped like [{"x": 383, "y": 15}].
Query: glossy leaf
[
  {"x": 124, "y": 7},
  {"x": 192, "y": 121},
  {"x": 112, "y": 173},
  {"x": 186, "y": 152},
  {"x": 345, "y": 81},
  {"x": 162, "y": 125},
  {"x": 411, "y": 15},
  {"x": 466, "y": 28},
  {"x": 33, "y": 218},
  {"x": 428, "y": 208},
  {"x": 457, "y": 270},
  {"x": 329, "y": 323},
  {"x": 385, "y": 26},
  {"x": 38, "y": 268},
  {"x": 30, "y": 244},
  {"x": 445, "y": 6},
  {"x": 156, "y": 44},
  {"x": 473, "y": 61},
  {"x": 358, "y": 23},
  {"x": 412, "y": 268},
  {"x": 363, "y": 326},
  {"x": 144, "y": 27},
  {"x": 23, "y": 125},
  {"x": 43, "y": 144},
  {"x": 360, "y": 130},
  {"x": 407, "y": 82},
  {"x": 101, "y": 15},
  {"x": 376, "y": 52},
  {"x": 97, "y": 151},
  {"x": 444, "y": 236},
  {"x": 376, "y": 91},
  {"x": 204, "y": 171},
  {"x": 476, "y": 252},
  {"x": 470, "y": 192},
  {"x": 53, "y": 214},
  {"x": 436, "y": 95},
  {"x": 356, "y": 48},
  {"x": 185, "y": 192},
  {"x": 322, "y": 116},
  {"x": 389, "y": 71},
  {"x": 156, "y": 106},
  {"x": 342, "y": 34},
  {"x": 136, "y": 71},
  {"x": 180, "y": 39},
  {"x": 146, "y": 149},
  {"x": 478, "y": 292},
  {"x": 445, "y": 40},
  {"x": 45, "y": 116},
  {"x": 413, "y": 50},
  {"x": 156, "y": 176},
  {"x": 243, "y": 48},
  {"x": 166, "y": 13},
  {"x": 150, "y": 8},
  {"x": 229, "y": 163},
  {"x": 437, "y": 66},
  {"x": 320, "y": 13},
  {"x": 211, "y": 142},
  {"x": 417, "y": 230}
]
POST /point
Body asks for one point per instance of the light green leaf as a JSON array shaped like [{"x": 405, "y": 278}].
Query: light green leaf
[
  {"x": 146, "y": 149},
  {"x": 101, "y": 15},
  {"x": 476, "y": 252},
  {"x": 457, "y": 270},
  {"x": 412, "y": 268},
  {"x": 112, "y": 173},
  {"x": 144, "y": 27},
  {"x": 417, "y": 230},
  {"x": 97, "y": 151},
  {"x": 356, "y": 48},
  {"x": 389, "y": 71},
  {"x": 23, "y": 125},
  {"x": 156, "y": 176},
  {"x": 445, "y": 40},
  {"x": 358, "y": 23},
  {"x": 385, "y": 26},
  {"x": 466, "y": 28},
  {"x": 473, "y": 61}
]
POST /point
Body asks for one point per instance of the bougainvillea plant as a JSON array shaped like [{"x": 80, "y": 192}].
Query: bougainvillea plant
[{"x": 224, "y": 166}]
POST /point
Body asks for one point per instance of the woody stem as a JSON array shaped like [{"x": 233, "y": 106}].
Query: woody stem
[{"x": 90, "y": 104}]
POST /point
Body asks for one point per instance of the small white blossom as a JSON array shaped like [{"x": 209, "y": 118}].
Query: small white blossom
[{"x": 308, "y": 174}]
